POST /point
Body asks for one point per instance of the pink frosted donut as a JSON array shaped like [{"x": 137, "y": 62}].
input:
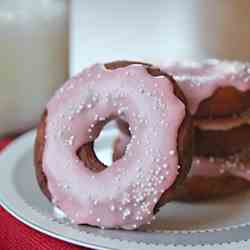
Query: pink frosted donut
[{"x": 125, "y": 194}]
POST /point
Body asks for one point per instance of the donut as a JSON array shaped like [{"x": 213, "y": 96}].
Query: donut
[
  {"x": 218, "y": 96},
  {"x": 128, "y": 193}
]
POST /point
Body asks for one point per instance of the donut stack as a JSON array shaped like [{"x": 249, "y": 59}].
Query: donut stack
[
  {"x": 218, "y": 94},
  {"x": 157, "y": 158}
]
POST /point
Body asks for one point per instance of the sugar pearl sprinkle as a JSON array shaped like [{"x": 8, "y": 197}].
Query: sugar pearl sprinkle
[{"x": 132, "y": 202}]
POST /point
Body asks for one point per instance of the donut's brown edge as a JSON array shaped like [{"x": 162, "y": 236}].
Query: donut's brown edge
[
  {"x": 185, "y": 140},
  {"x": 38, "y": 155},
  {"x": 225, "y": 101}
]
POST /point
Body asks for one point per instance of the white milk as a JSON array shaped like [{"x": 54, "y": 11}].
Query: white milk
[{"x": 33, "y": 59}]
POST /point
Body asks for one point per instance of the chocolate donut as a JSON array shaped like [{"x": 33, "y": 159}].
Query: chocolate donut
[{"x": 70, "y": 174}]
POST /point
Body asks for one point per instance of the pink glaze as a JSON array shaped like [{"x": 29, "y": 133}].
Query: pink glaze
[
  {"x": 199, "y": 81},
  {"x": 236, "y": 165},
  {"x": 125, "y": 194}
]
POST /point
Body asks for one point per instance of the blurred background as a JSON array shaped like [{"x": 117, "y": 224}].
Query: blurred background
[{"x": 42, "y": 44}]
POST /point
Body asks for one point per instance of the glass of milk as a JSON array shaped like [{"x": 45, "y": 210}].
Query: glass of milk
[{"x": 33, "y": 59}]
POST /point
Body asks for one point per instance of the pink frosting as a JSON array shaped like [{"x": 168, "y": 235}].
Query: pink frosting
[
  {"x": 124, "y": 194},
  {"x": 236, "y": 165},
  {"x": 199, "y": 81}
]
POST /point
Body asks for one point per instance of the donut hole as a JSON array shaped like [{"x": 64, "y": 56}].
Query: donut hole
[
  {"x": 97, "y": 155},
  {"x": 103, "y": 145}
]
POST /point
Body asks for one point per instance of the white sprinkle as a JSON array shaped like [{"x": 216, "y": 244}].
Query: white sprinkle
[
  {"x": 165, "y": 165},
  {"x": 126, "y": 212},
  {"x": 171, "y": 152}
]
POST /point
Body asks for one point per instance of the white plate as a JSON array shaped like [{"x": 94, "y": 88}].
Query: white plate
[{"x": 223, "y": 224}]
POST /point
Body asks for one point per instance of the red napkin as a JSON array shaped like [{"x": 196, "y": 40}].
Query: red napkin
[{"x": 16, "y": 236}]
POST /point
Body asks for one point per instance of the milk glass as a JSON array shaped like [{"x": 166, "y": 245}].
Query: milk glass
[{"x": 33, "y": 59}]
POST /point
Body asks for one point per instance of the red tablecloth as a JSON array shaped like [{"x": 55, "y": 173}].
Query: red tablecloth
[{"x": 16, "y": 236}]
